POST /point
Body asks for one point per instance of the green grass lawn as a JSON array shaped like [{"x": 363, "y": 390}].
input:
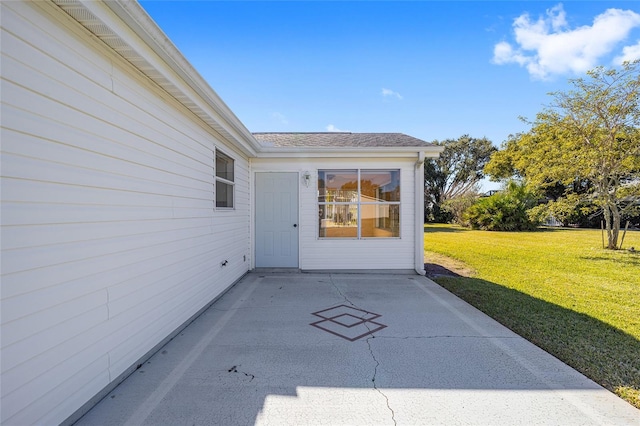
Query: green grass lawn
[{"x": 557, "y": 288}]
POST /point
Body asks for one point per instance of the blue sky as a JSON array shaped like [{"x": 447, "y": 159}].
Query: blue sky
[{"x": 433, "y": 70}]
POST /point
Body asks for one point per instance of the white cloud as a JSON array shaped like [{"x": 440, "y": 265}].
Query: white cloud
[
  {"x": 629, "y": 53},
  {"x": 332, "y": 128},
  {"x": 280, "y": 117},
  {"x": 389, "y": 92},
  {"x": 547, "y": 46},
  {"x": 558, "y": 17}
]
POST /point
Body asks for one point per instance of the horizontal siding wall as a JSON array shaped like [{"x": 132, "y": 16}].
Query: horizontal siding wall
[
  {"x": 336, "y": 253},
  {"x": 109, "y": 236}
]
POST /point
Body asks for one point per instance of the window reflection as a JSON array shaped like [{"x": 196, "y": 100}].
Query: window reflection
[
  {"x": 380, "y": 221},
  {"x": 339, "y": 220},
  {"x": 359, "y": 203},
  {"x": 380, "y": 185},
  {"x": 338, "y": 186}
]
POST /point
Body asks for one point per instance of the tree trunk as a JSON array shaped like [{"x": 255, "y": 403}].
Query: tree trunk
[
  {"x": 612, "y": 221},
  {"x": 615, "y": 229},
  {"x": 607, "y": 223}
]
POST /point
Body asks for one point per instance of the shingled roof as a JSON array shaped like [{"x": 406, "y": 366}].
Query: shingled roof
[{"x": 339, "y": 139}]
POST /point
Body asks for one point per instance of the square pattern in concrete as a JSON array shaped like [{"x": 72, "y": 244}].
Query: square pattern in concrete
[
  {"x": 252, "y": 358},
  {"x": 348, "y": 322}
]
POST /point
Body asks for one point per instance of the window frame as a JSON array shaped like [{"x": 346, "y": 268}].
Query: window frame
[
  {"x": 219, "y": 179},
  {"x": 359, "y": 203}
]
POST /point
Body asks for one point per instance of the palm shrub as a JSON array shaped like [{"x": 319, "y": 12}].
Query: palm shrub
[{"x": 504, "y": 211}]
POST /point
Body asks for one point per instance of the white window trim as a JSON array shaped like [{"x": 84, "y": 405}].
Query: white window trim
[
  {"x": 223, "y": 180},
  {"x": 359, "y": 203}
]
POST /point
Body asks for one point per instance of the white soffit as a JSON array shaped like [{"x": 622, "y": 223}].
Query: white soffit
[{"x": 127, "y": 29}]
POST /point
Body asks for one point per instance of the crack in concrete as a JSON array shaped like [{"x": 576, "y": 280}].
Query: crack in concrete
[
  {"x": 346, "y": 299},
  {"x": 375, "y": 370},
  {"x": 373, "y": 380}
]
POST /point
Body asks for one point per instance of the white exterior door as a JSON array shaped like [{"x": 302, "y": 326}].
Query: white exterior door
[{"x": 277, "y": 220}]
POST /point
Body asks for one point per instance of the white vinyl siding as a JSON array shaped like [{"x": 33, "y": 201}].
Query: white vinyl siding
[
  {"x": 110, "y": 239},
  {"x": 349, "y": 254}
]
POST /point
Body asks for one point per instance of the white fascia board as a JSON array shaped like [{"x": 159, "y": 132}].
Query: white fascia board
[
  {"x": 140, "y": 33},
  {"x": 348, "y": 152}
]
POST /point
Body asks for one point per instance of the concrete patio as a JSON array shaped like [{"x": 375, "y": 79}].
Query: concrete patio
[{"x": 396, "y": 349}]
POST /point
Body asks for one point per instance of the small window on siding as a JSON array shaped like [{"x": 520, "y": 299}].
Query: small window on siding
[{"x": 224, "y": 181}]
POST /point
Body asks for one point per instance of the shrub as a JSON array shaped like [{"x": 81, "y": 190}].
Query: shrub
[
  {"x": 458, "y": 205},
  {"x": 504, "y": 211}
]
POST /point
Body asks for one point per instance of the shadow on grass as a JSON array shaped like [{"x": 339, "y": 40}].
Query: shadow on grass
[
  {"x": 601, "y": 352},
  {"x": 433, "y": 271},
  {"x": 555, "y": 229},
  {"x": 632, "y": 260},
  {"x": 446, "y": 227},
  {"x": 443, "y": 227}
]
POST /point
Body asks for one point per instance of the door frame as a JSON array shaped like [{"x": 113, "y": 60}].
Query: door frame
[{"x": 254, "y": 202}]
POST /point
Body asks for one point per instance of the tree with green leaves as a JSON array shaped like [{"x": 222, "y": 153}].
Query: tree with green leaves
[
  {"x": 588, "y": 134},
  {"x": 506, "y": 210},
  {"x": 455, "y": 173}
]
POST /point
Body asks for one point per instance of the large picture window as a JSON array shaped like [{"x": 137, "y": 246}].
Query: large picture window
[
  {"x": 359, "y": 203},
  {"x": 224, "y": 181}
]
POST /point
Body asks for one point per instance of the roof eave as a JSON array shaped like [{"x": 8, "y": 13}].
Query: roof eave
[
  {"x": 403, "y": 151},
  {"x": 136, "y": 37}
]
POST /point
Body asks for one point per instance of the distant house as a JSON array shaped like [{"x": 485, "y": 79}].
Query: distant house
[
  {"x": 552, "y": 221},
  {"x": 491, "y": 192},
  {"x": 132, "y": 197}
]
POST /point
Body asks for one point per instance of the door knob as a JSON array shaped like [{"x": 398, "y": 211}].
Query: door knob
[{"x": 295, "y": 225}]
